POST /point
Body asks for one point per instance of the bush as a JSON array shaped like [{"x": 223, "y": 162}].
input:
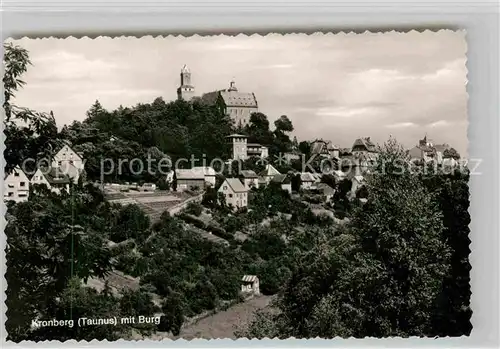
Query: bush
[{"x": 194, "y": 208}]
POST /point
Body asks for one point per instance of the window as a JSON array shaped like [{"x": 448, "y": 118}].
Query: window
[
  {"x": 225, "y": 187},
  {"x": 11, "y": 185},
  {"x": 11, "y": 194},
  {"x": 71, "y": 162},
  {"x": 59, "y": 163},
  {"x": 22, "y": 195},
  {"x": 22, "y": 184},
  {"x": 230, "y": 195},
  {"x": 16, "y": 174}
]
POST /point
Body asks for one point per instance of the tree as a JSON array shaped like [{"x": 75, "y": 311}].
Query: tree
[
  {"x": 305, "y": 148},
  {"x": 283, "y": 124},
  {"x": 28, "y": 133},
  {"x": 453, "y": 312},
  {"x": 451, "y": 153},
  {"x": 173, "y": 317},
  {"x": 296, "y": 182},
  {"x": 258, "y": 129},
  {"x": 380, "y": 275}
]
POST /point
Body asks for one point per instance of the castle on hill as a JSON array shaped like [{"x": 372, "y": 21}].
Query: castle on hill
[{"x": 235, "y": 104}]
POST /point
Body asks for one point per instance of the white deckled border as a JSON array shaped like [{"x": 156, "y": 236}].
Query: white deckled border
[{"x": 316, "y": 19}]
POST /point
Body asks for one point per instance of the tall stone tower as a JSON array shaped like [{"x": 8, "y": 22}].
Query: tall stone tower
[
  {"x": 238, "y": 145},
  {"x": 185, "y": 91}
]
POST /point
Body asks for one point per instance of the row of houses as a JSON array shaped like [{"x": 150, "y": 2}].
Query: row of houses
[{"x": 66, "y": 167}]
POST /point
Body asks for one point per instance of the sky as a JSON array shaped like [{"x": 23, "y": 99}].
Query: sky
[{"x": 338, "y": 87}]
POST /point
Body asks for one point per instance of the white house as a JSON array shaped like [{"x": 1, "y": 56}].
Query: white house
[
  {"x": 55, "y": 179},
  {"x": 307, "y": 180},
  {"x": 208, "y": 172},
  {"x": 16, "y": 186},
  {"x": 250, "y": 285},
  {"x": 40, "y": 178},
  {"x": 250, "y": 179},
  {"x": 234, "y": 192},
  {"x": 69, "y": 162}
]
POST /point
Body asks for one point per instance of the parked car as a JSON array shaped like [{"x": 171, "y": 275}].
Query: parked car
[{"x": 148, "y": 187}]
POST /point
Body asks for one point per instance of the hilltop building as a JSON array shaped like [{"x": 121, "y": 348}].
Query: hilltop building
[
  {"x": 426, "y": 151},
  {"x": 242, "y": 150},
  {"x": 186, "y": 90},
  {"x": 239, "y": 106},
  {"x": 324, "y": 148}
]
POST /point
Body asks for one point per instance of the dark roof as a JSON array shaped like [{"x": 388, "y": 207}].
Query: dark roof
[
  {"x": 249, "y": 174},
  {"x": 441, "y": 147},
  {"x": 281, "y": 178},
  {"x": 327, "y": 190},
  {"x": 364, "y": 142},
  {"x": 56, "y": 176},
  {"x": 233, "y": 98},
  {"x": 210, "y": 97}
]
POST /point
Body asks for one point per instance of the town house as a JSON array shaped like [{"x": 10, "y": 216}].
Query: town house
[
  {"x": 234, "y": 193},
  {"x": 69, "y": 162},
  {"x": 16, "y": 186}
]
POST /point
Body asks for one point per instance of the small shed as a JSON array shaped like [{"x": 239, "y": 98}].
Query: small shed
[{"x": 250, "y": 284}]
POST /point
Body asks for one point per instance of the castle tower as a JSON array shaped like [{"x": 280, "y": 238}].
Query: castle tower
[
  {"x": 238, "y": 146},
  {"x": 232, "y": 86},
  {"x": 185, "y": 91}
]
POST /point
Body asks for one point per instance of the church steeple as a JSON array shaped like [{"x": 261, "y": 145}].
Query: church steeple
[{"x": 185, "y": 90}]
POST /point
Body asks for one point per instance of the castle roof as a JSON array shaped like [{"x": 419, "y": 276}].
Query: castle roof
[
  {"x": 185, "y": 69},
  {"x": 234, "y": 98}
]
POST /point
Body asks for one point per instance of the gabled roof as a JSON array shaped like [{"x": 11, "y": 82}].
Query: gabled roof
[
  {"x": 307, "y": 177},
  {"x": 236, "y": 185},
  {"x": 16, "y": 169},
  {"x": 189, "y": 174},
  {"x": 281, "y": 178},
  {"x": 68, "y": 144},
  {"x": 55, "y": 176},
  {"x": 364, "y": 142},
  {"x": 269, "y": 171},
  {"x": 206, "y": 170},
  {"x": 249, "y": 174},
  {"x": 249, "y": 278},
  {"x": 234, "y": 98}
]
